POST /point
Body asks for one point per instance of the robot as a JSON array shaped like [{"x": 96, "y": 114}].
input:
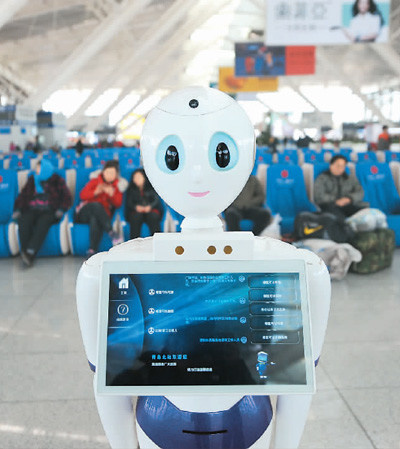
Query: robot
[
  {"x": 198, "y": 150},
  {"x": 262, "y": 364}
]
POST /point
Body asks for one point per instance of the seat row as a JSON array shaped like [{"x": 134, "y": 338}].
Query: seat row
[
  {"x": 307, "y": 156},
  {"x": 290, "y": 189},
  {"x": 66, "y": 236}
]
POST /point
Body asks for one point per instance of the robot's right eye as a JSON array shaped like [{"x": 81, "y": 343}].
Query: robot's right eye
[
  {"x": 172, "y": 158},
  {"x": 170, "y": 155}
]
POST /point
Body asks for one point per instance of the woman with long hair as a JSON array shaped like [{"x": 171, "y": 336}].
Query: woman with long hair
[
  {"x": 366, "y": 24},
  {"x": 143, "y": 205}
]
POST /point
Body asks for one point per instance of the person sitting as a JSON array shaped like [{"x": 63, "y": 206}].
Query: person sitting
[
  {"x": 337, "y": 192},
  {"x": 384, "y": 139},
  {"x": 100, "y": 197},
  {"x": 249, "y": 205},
  {"x": 143, "y": 205},
  {"x": 42, "y": 202}
]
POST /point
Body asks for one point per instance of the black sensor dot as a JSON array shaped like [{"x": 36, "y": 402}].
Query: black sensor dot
[{"x": 193, "y": 103}]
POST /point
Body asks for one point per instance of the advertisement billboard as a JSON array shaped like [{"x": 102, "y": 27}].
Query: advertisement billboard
[
  {"x": 258, "y": 59},
  {"x": 230, "y": 83},
  {"x": 326, "y": 22}
]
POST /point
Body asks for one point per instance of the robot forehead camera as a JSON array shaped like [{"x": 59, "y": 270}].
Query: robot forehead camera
[{"x": 198, "y": 148}]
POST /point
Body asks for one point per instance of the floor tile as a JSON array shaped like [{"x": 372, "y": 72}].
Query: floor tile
[
  {"x": 70, "y": 424},
  {"x": 378, "y": 410},
  {"x": 362, "y": 365},
  {"x": 45, "y": 377},
  {"x": 331, "y": 425}
]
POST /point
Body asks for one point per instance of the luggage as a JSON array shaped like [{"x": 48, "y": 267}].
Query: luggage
[
  {"x": 321, "y": 225},
  {"x": 377, "y": 249},
  {"x": 337, "y": 256},
  {"x": 367, "y": 220}
]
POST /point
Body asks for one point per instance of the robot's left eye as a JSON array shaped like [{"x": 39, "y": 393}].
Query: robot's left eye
[
  {"x": 170, "y": 155},
  {"x": 223, "y": 153},
  {"x": 172, "y": 158}
]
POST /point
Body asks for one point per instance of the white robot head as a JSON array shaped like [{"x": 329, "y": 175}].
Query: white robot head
[{"x": 198, "y": 150}]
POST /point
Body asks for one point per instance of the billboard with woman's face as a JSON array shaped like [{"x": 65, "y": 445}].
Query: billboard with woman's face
[{"x": 327, "y": 22}]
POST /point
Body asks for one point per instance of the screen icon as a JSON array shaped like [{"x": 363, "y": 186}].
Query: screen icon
[
  {"x": 123, "y": 309},
  {"x": 123, "y": 284}
]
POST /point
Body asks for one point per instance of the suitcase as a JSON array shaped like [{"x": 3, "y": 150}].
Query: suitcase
[{"x": 377, "y": 249}]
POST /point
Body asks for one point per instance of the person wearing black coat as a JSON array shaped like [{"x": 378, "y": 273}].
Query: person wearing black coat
[{"x": 142, "y": 205}]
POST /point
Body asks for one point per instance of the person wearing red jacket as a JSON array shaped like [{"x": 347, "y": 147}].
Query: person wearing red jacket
[{"x": 100, "y": 197}]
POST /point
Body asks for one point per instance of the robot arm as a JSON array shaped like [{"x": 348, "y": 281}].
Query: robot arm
[
  {"x": 116, "y": 412},
  {"x": 292, "y": 410}
]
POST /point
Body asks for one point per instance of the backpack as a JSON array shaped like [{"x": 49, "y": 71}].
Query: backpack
[{"x": 321, "y": 225}]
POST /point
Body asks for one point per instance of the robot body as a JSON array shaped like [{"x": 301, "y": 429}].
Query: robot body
[{"x": 198, "y": 151}]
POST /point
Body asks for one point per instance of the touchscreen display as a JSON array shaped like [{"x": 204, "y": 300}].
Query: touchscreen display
[{"x": 205, "y": 329}]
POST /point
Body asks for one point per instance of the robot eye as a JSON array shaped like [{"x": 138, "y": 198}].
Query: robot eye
[
  {"x": 172, "y": 158},
  {"x": 222, "y": 155}
]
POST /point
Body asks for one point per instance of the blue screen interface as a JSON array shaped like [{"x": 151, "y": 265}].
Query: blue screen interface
[{"x": 205, "y": 329}]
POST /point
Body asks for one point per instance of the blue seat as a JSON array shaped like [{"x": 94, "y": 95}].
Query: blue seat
[
  {"x": 79, "y": 233},
  {"x": 368, "y": 156},
  {"x": 68, "y": 152},
  {"x": 392, "y": 156},
  {"x": 286, "y": 194},
  {"x": 74, "y": 162},
  {"x": 8, "y": 194},
  {"x": 319, "y": 168},
  {"x": 288, "y": 157},
  {"x": 128, "y": 164},
  {"x": 107, "y": 153},
  {"x": 380, "y": 192},
  {"x": 312, "y": 157},
  {"x": 346, "y": 151},
  {"x": 20, "y": 164},
  {"x": 30, "y": 154},
  {"x": 263, "y": 156}
]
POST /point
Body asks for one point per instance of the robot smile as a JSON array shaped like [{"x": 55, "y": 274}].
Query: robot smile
[{"x": 199, "y": 194}]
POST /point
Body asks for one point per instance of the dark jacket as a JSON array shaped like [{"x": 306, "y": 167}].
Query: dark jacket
[
  {"x": 57, "y": 192},
  {"x": 251, "y": 196},
  {"x": 329, "y": 188},
  {"x": 145, "y": 197}
]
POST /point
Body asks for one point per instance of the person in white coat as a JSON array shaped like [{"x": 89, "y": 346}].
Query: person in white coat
[{"x": 366, "y": 24}]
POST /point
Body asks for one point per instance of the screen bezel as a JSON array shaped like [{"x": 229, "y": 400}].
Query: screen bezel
[{"x": 193, "y": 267}]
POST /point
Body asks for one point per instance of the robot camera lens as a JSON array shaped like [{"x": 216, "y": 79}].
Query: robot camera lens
[
  {"x": 172, "y": 158},
  {"x": 222, "y": 155},
  {"x": 193, "y": 103}
]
